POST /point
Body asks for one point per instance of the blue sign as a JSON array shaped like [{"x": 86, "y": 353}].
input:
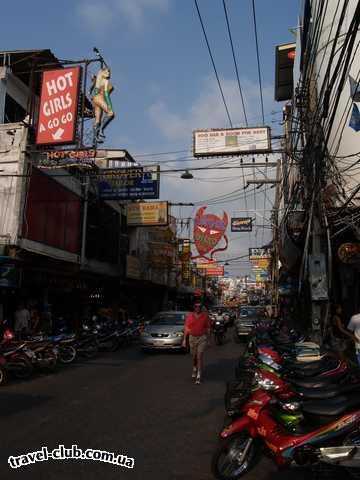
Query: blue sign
[
  {"x": 9, "y": 276},
  {"x": 133, "y": 183}
]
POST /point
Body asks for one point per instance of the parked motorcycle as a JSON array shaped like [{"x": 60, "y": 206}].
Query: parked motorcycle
[
  {"x": 64, "y": 343},
  {"x": 86, "y": 343},
  {"x": 322, "y": 422},
  {"x": 13, "y": 358},
  {"x": 302, "y": 413},
  {"x": 42, "y": 354}
]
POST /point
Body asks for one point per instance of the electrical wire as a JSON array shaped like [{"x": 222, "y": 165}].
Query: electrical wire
[
  {"x": 213, "y": 62},
  {"x": 258, "y": 62},
  {"x": 235, "y": 62}
]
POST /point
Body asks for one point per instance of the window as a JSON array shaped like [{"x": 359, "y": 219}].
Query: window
[{"x": 13, "y": 111}]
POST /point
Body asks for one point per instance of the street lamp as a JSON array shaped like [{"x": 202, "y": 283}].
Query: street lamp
[{"x": 187, "y": 175}]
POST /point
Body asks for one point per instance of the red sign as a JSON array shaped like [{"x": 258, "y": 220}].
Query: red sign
[
  {"x": 209, "y": 229},
  {"x": 215, "y": 272},
  {"x": 58, "y": 106}
]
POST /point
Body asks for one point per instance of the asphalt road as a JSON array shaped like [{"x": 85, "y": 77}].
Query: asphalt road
[{"x": 141, "y": 405}]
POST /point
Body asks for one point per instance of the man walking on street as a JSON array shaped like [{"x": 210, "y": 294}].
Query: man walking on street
[{"x": 197, "y": 329}]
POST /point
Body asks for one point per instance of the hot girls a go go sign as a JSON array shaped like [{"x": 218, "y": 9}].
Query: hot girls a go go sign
[{"x": 58, "y": 106}]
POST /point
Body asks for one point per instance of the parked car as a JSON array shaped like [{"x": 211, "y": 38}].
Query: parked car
[
  {"x": 165, "y": 331},
  {"x": 244, "y": 324}
]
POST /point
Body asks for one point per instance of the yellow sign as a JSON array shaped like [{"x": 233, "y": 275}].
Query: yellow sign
[{"x": 147, "y": 214}]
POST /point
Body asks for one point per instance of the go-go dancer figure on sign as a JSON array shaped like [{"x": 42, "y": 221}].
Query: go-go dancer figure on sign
[
  {"x": 100, "y": 93},
  {"x": 197, "y": 329}
]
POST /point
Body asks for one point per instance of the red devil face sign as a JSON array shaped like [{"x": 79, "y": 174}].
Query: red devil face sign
[{"x": 208, "y": 231}]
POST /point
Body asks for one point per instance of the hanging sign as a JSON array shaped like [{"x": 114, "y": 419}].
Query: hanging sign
[
  {"x": 349, "y": 253},
  {"x": 147, "y": 214},
  {"x": 259, "y": 253},
  {"x": 209, "y": 229},
  {"x": 67, "y": 158},
  {"x": 58, "y": 106},
  {"x": 132, "y": 183},
  {"x": 241, "y": 224}
]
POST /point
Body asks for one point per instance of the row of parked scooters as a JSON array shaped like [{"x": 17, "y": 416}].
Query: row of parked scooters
[
  {"x": 300, "y": 412},
  {"x": 21, "y": 358}
]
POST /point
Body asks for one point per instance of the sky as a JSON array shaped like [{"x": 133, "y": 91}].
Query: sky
[{"x": 165, "y": 86}]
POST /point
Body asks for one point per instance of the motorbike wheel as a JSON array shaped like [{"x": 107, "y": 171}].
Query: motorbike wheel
[
  {"x": 353, "y": 439},
  {"x": 3, "y": 376},
  {"x": 51, "y": 362},
  {"x": 91, "y": 350},
  {"x": 219, "y": 339},
  {"x": 110, "y": 345},
  {"x": 234, "y": 457},
  {"x": 21, "y": 367},
  {"x": 67, "y": 354}
]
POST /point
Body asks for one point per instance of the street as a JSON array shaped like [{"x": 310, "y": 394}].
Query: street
[{"x": 142, "y": 405}]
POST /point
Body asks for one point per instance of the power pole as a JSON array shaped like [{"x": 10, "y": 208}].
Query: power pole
[{"x": 275, "y": 223}]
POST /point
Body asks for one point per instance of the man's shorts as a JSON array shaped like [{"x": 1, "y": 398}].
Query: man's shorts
[{"x": 197, "y": 344}]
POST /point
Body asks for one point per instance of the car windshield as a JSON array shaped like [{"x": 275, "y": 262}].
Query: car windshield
[
  {"x": 175, "y": 318},
  {"x": 249, "y": 312}
]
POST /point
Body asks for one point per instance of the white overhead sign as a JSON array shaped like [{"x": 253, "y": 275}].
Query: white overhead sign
[{"x": 231, "y": 141}]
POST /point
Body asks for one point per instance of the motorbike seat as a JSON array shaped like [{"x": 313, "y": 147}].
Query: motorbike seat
[
  {"x": 332, "y": 407},
  {"x": 327, "y": 391},
  {"x": 292, "y": 362},
  {"x": 314, "y": 382},
  {"x": 312, "y": 370},
  {"x": 313, "y": 367}
]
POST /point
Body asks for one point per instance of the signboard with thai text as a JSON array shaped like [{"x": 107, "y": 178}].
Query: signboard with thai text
[
  {"x": 147, "y": 214},
  {"x": 133, "y": 183}
]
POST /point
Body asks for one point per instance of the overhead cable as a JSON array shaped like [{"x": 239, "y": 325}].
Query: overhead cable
[
  {"x": 235, "y": 62},
  {"x": 213, "y": 62}
]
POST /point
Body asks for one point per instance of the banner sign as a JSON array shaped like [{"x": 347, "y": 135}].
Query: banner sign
[
  {"x": 232, "y": 141},
  {"x": 58, "y": 106},
  {"x": 259, "y": 253},
  {"x": 67, "y": 158},
  {"x": 132, "y": 183},
  {"x": 241, "y": 224},
  {"x": 147, "y": 214}
]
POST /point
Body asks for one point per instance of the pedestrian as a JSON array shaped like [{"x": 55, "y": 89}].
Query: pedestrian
[
  {"x": 197, "y": 330},
  {"x": 354, "y": 326},
  {"x": 22, "y": 320},
  {"x": 35, "y": 319}
]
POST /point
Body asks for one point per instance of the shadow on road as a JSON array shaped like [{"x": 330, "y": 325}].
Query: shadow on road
[
  {"x": 11, "y": 403},
  {"x": 220, "y": 371}
]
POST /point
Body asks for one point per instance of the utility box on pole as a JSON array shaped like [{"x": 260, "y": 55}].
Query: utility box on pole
[{"x": 318, "y": 278}]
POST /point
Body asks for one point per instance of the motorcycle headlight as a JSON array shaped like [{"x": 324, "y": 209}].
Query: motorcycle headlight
[
  {"x": 267, "y": 384},
  {"x": 290, "y": 406},
  {"x": 217, "y": 323}
]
